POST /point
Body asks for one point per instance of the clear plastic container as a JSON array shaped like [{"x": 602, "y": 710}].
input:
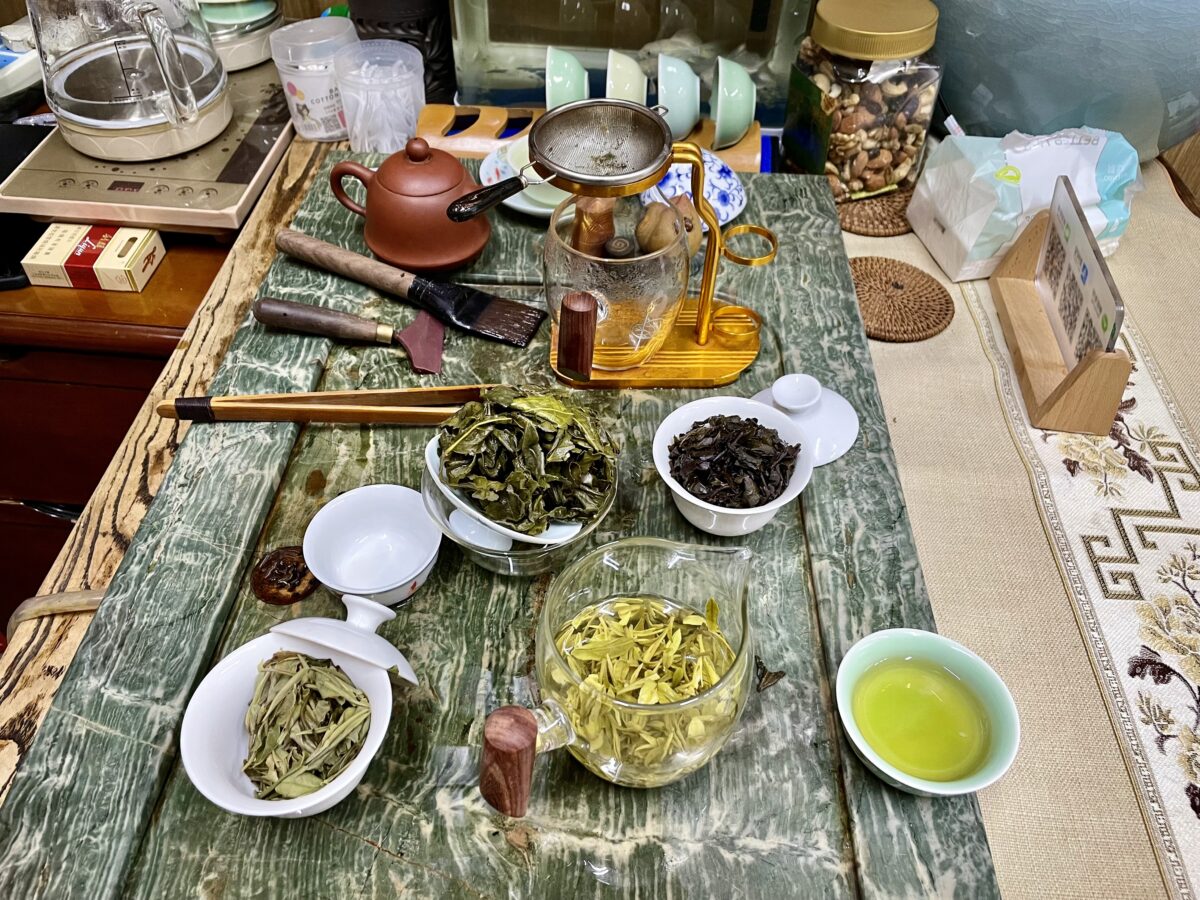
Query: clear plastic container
[
  {"x": 382, "y": 84},
  {"x": 862, "y": 96},
  {"x": 303, "y": 54}
]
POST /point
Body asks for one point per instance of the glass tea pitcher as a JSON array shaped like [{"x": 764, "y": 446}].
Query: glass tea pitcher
[
  {"x": 643, "y": 662},
  {"x": 131, "y": 79},
  {"x": 638, "y": 293}
]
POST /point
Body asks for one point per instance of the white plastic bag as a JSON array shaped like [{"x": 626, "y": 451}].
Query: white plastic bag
[{"x": 977, "y": 193}]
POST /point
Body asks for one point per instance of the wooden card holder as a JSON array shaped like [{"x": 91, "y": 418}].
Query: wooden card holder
[{"x": 1083, "y": 399}]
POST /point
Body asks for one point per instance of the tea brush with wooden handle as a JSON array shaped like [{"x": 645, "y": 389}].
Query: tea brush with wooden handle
[{"x": 466, "y": 308}]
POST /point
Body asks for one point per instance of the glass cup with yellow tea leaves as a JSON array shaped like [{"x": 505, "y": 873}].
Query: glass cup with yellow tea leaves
[{"x": 643, "y": 660}]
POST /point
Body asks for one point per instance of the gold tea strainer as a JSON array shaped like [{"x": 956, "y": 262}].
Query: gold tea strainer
[{"x": 614, "y": 148}]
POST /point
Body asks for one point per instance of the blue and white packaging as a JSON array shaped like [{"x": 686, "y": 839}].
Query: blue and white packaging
[{"x": 977, "y": 194}]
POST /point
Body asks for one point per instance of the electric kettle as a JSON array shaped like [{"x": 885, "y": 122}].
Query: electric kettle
[{"x": 131, "y": 79}]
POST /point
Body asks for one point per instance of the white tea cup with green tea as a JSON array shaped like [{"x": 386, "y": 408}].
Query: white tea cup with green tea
[
  {"x": 926, "y": 714},
  {"x": 643, "y": 658}
]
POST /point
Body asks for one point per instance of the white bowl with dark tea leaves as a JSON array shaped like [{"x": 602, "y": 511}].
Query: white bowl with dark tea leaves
[{"x": 731, "y": 463}]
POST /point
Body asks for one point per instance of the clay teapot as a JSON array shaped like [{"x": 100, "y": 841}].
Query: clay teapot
[{"x": 407, "y": 197}]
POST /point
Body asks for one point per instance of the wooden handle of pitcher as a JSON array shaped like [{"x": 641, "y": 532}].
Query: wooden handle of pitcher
[{"x": 506, "y": 770}]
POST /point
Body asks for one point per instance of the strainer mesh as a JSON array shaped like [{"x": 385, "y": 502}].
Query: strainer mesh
[{"x": 600, "y": 143}]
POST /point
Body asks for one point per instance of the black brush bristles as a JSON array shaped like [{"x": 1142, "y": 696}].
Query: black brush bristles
[
  {"x": 477, "y": 312},
  {"x": 509, "y": 321}
]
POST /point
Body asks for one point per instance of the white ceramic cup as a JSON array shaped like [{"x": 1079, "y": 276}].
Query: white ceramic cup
[
  {"x": 517, "y": 152},
  {"x": 624, "y": 78},
  {"x": 376, "y": 541},
  {"x": 721, "y": 520}
]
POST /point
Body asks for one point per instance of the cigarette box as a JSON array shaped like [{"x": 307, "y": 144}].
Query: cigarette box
[{"x": 100, "y": 257}]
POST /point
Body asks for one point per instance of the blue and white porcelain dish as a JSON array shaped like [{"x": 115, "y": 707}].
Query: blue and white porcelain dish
[{"x": 722, "y": 188}]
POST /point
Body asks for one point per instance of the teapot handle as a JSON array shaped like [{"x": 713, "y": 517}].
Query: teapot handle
[
  {"x": 338, "y": 174},
  {"x": 182, "y": 106},
  {"x": 506, "y": 769}
]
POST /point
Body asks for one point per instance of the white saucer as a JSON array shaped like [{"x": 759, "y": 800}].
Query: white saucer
[
  {"x": 495, "y": 168},
  {"x": 825, "y": 415}
]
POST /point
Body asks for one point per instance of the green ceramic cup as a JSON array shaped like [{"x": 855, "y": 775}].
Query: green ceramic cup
[
  {"x": 679, "y": 92},
  {"x": 732, "y": 103},
  {"x": 566, "y": 78},
  {"x": 976, "y": 674}
]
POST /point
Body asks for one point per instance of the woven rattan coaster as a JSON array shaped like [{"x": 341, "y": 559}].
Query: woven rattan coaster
[
  {"x": 899, "y": 302},
  {"x": 881, "y": 216}
]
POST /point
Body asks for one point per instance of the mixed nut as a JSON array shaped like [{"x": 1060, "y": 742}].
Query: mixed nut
[{"x": 880, "y": 115}]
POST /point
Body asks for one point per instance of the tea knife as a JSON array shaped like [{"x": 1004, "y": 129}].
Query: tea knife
[{"x": 422, "y": 339}]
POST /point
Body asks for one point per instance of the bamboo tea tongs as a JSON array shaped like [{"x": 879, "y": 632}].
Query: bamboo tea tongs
[{"x": 400, "y": 406}]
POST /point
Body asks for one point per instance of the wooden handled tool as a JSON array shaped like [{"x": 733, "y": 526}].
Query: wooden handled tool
[
  {"x": 422, "y": 339},
  {"x": 402, "y": 406},
  {"x": 463, "y": 307}
]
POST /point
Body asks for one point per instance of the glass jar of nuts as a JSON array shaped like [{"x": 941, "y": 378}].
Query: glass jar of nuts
[{"x": 862, "y": 95}]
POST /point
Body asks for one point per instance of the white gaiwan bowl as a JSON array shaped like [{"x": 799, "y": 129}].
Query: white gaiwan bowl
[
  {"x": 213, "y": 740},
  {"x": 720, "y": 520},
  {"x": 376, "y": 541}
]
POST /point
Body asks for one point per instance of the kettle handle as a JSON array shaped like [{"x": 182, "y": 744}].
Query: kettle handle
[
  {"x": 182, "y": 107},
  {"x": 338, "y": 174},
  {"x": 506, "y": 769}
]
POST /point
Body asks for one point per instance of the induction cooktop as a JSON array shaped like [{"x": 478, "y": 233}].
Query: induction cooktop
[{"x": 211, "y": 188}]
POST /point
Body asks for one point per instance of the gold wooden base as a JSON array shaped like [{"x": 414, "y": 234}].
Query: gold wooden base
[{"x": 680, "y": 362}]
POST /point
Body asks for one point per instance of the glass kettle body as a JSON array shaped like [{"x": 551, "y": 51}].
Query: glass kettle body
[
  {"x": 131, "y": 79},
  {"x": 627, "y": 742}
]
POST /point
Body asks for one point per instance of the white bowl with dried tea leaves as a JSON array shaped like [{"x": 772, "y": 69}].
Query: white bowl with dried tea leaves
[{"x": 287, "y": 724}]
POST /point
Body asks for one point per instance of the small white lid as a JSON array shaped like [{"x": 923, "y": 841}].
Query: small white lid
[{"x": 355, "y": 636}]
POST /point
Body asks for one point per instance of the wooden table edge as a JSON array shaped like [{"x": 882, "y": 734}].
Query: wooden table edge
[{"x": 32, "y": 667}]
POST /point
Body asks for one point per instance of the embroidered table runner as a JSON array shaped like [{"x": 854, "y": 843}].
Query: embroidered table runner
[{"x": 1073, "y": 564}]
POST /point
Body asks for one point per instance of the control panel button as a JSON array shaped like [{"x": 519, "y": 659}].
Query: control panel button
[
  {"x": 66, "y": 182},
  {"x": 184, "y": 191},
  {"x": 90, "y": 183},
  {"x": 208, "y": 193},
  {"x": 161, "y": 188}
]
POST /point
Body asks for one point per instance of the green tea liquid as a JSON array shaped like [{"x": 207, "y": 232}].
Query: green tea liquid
[{"x": 922, "y": 719}]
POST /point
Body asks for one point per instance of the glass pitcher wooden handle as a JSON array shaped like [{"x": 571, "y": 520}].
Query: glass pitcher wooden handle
[{"x": 506, "y": 768}]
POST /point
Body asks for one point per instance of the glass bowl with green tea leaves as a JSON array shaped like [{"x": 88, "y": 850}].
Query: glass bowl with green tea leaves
[
  {"x": 644, "y": 659},
  {"x": 520, "y": 479}
]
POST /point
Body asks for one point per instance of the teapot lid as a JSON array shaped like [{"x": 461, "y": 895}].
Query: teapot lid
[{"x": 420, "y": 171}]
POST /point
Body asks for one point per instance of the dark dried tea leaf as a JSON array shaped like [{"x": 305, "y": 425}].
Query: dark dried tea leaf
[
  {"x": 526, "y": 458},
  {"x": 733, "y": 462},
  {"x": 307, "y": 722}
]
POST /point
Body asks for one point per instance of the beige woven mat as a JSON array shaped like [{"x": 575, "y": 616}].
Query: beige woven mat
[{"x": 1066, "y": 822}]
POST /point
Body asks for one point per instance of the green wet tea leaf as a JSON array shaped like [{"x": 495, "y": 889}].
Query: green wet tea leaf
[
  {"x": 733, "y": 462},
  {"x": 647, "y": 651},
  {"x": 527, "y": 458},
  {"x": 307, "y": 722}
]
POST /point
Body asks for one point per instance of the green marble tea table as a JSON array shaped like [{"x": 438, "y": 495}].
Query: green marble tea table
[{"x": 101, "y": 806}]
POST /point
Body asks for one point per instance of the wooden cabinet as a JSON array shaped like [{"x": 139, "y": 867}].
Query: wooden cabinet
[{"x": 75, "y": 367}]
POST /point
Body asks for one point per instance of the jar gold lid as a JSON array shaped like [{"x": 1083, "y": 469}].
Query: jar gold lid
[{"x": 875, "y": 29}]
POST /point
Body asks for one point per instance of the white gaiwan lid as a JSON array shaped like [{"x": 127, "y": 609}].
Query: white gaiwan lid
[{"x": 354, "y": 637}]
